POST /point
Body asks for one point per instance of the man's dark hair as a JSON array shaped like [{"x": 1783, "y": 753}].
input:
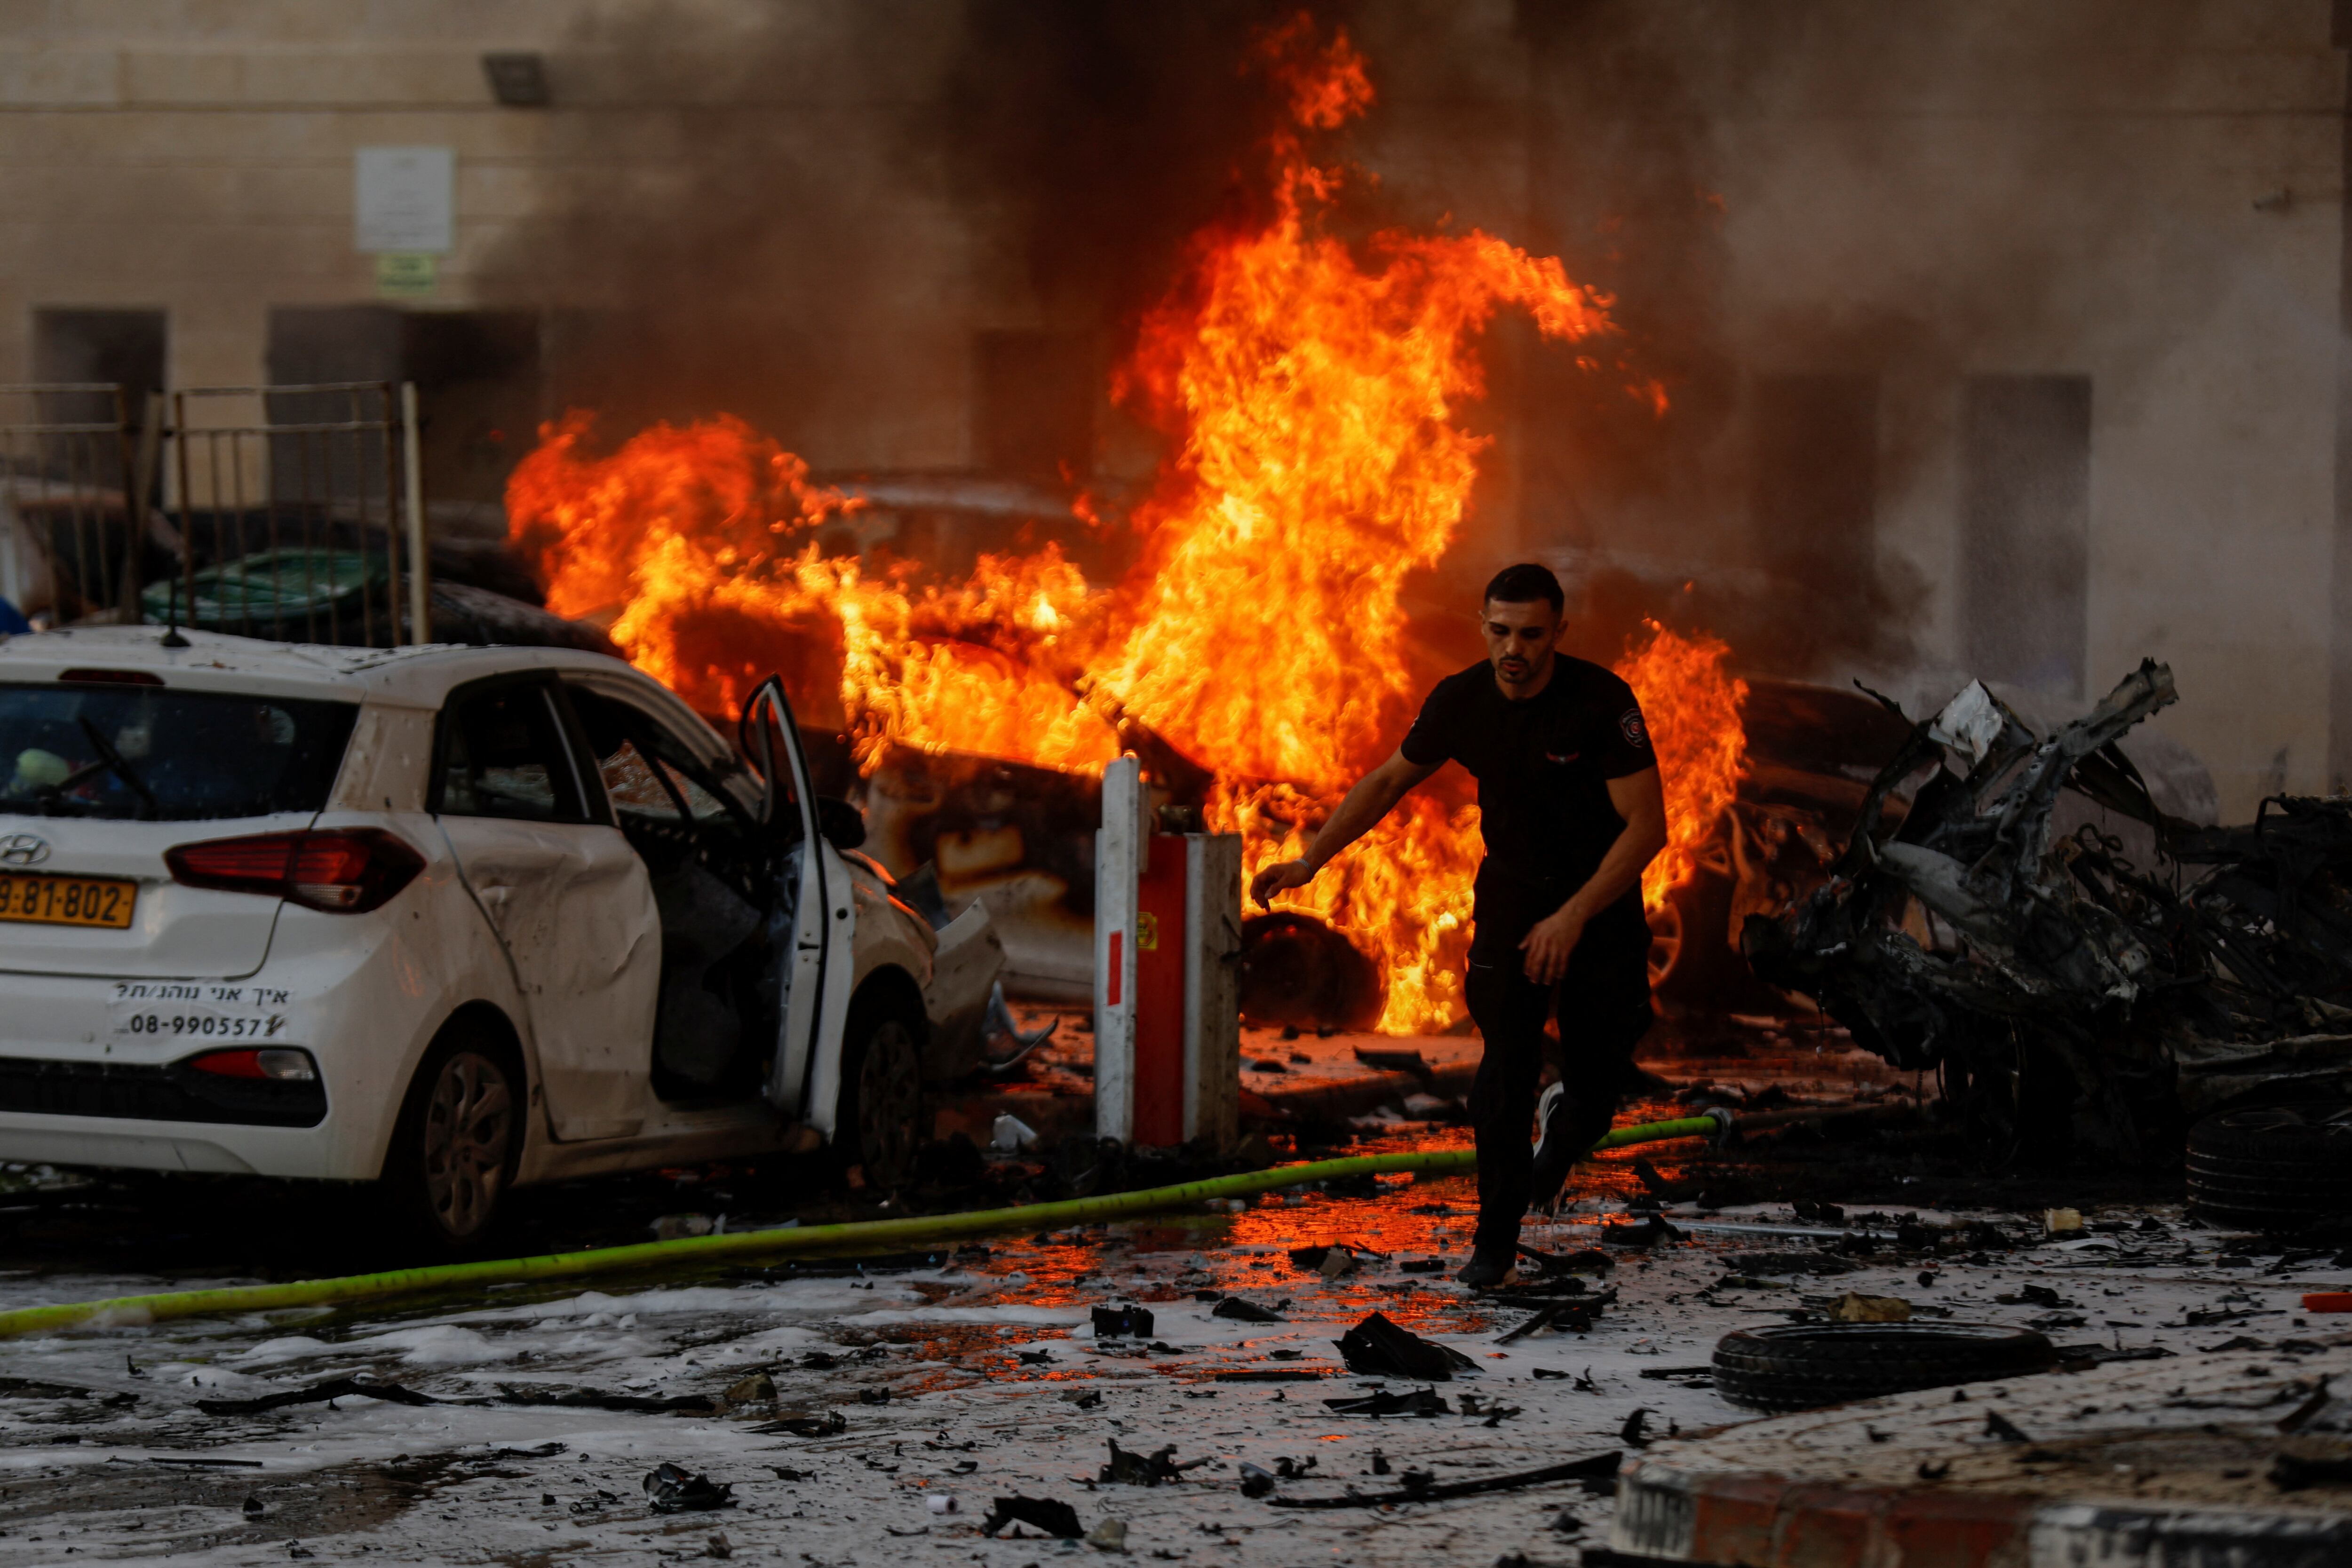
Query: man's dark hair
[{"x": 1524, "y": 584}]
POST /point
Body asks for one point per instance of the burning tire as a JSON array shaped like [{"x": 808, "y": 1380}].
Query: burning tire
[
  {"x": 2272, "y": 1167},
  {"x": 1805, "y": 1367},
  {"x": 1296, "y": 970}
]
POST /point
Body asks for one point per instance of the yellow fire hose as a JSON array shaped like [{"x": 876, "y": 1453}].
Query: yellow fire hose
[{"x": 868, "y": 1234}]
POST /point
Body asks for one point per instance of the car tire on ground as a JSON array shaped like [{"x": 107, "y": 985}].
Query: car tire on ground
[
  {"x": 1805, "y": 1367},
  {"x": 878, "y": 1124},
  {"x": 459, "y": 1141},
  {"x": 2271, "y": 1169}
]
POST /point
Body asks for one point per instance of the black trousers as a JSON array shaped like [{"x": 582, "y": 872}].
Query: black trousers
[{"x": 1603, "y": 1006}]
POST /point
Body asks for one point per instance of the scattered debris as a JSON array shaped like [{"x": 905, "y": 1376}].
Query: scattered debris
[
  {"x": 1256, "y": 1482},
  {"x": 1055, "y": 1518},
  {"x": 1600, "y": 1467},
  {"x": 758, "y": 1389},
  {"x": 1378, "y": 1347},
  {"x": 1856, "y": 1308},
  {"x": 1631, "y": 1433},
  {"x": 1122, "y": 1322},
  {"x": 2065, "y": 991},
  {"x": 1159, "y": 1466},
  {"x": 33, "y": 1388},
  {"x": 209, "y": 1464},
  {"x": 2294, "y": 1472},
  {"x": 1587, "y": 1259},
  {"x": 592, "y": 1399},
  {"x": 318, "y": 1394},
  {"x": 1108, "y": 1535},
  {"x": 1649, "y": 1233},
  {"x": 1240, "y": 1311},
  {"x": 1999, "y": 1426},
  {"x": 825, "y": 1425},
  {"x": 671, "y": 1489},
  {"x": 1419, "y": 1402}
]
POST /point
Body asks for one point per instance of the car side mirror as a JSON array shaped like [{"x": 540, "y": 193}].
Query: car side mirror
[{"x": 843, "y": 824}]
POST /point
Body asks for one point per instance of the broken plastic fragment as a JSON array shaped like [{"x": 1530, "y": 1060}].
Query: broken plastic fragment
[
  {"x": 1054, "y": 1517},
  {"x": 1380, "y": 1347},
  {"x": 671, "y": 1489},
  {"x": 1009, "y": 1134},
  {"x": 1241, "y": 1311},
  {"x": 1419, "y": 1402}
]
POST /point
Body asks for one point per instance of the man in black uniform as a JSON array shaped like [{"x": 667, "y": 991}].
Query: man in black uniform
[{"x": 1572, "y": 809}]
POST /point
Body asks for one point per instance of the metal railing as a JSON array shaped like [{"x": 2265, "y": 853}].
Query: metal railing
[
  {"x": 75, "y": 477},
  {"x": 293, "y": 513}
]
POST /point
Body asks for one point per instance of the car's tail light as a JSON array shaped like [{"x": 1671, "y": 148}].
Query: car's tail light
[
  {"x": 276, "y": 1063},
  {"x": 344, "y": 871}
]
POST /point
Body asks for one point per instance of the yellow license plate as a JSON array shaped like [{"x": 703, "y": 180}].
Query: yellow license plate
[{"x": 44, "y": 899}]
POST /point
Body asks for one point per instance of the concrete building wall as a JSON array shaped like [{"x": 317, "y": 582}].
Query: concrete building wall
[{"x": 2147, "y": 196}]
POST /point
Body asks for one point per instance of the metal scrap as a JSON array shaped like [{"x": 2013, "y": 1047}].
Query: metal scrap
[{"x": 2065, "y": 991}]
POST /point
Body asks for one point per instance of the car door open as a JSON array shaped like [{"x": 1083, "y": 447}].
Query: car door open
[{"x": 806, "y": 1080}]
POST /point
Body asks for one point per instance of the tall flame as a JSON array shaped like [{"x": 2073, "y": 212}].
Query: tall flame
[{"x": 1311, "y": 395}]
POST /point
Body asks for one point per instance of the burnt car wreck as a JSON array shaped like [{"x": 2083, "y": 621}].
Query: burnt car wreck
[{"x": 2094, "y": 989}]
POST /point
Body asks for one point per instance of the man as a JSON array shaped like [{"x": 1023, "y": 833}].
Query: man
[{"x": 1572, "y": 809}]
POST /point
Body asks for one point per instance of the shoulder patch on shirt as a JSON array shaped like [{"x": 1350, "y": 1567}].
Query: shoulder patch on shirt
[{"x": 1630, "y": 723}]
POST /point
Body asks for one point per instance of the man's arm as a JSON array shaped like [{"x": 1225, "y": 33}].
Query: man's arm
[
  {"x": 1374, "y": 797},
  {"x": 1640, "y": 800}
]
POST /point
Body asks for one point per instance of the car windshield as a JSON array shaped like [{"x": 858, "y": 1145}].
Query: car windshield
[{"x": 154, "y": 754}]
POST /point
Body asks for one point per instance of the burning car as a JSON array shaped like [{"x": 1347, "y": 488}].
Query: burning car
[{"x": 454, "y": 920}]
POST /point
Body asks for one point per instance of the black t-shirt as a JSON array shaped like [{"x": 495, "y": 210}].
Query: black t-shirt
[{"x": 1543, "y": 767}]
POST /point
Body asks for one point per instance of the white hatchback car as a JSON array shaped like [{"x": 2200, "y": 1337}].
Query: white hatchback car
[{"x": 456, "y": 919}]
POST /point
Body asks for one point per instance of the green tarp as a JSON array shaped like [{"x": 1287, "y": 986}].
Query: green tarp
[{"x": 284, "y": 587}]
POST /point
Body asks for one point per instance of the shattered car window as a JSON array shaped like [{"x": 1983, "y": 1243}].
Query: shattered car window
[
  {"x": 620, "y": 737},
  {"x": 632, "y": 784},
  {"x": 706, "y": 807},
  {"x": 153, "y": 754}
]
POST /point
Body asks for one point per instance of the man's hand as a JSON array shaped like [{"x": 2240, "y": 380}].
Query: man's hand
[
  {"x": 1550, "y": 943},
  {"x": 1280, "y": 877}
]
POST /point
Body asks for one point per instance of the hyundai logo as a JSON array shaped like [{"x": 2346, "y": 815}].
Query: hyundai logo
[{"x": 22, "y": 848}]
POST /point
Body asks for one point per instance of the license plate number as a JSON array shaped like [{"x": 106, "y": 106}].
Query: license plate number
[{"x": 44, "y": 898}]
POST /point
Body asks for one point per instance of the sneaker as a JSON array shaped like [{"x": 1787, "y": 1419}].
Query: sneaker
[
  {"x": 1553, "y": 1157},
  {"x": 1488, "y": 1269}
]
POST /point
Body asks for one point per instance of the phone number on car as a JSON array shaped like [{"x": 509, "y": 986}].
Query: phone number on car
[{"x": 204, "y": 1026}]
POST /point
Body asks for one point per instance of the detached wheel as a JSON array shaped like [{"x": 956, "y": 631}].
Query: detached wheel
[
  {"x": 878, "y": 1123},
  {"x": 1806, "y": 1366},
  {"x": 459, "y": 1139},
  {"x": 2273, "y": 1168}
]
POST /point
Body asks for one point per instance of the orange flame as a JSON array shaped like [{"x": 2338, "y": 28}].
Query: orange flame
[
  {"x": 1311, "y": 393},
  {"x": 1692, "y": 706}
]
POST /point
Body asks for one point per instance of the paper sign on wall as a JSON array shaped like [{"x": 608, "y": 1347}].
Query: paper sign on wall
[{"x": 404, "y": 199}]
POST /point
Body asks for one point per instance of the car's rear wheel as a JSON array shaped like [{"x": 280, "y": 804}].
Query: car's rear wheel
[
  {"x": 879, "y": 1122},
  {"x": 459, "y": 1139}
]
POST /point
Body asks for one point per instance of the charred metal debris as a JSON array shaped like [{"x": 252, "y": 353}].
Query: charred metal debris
[{"x": 2067, "y": 991}]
